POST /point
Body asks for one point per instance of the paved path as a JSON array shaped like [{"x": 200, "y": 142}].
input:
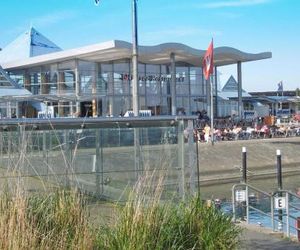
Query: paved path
[{"x": 260, "y": 238}]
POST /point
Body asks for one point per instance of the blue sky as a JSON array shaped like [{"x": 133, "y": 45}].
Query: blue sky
[{"x": 248, "y": 25}]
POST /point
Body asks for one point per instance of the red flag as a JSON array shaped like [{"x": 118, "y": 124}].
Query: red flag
[{"x": 208, "y": 61}]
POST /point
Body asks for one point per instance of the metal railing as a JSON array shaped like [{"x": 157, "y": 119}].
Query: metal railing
[{"x": 279, "y": 210}]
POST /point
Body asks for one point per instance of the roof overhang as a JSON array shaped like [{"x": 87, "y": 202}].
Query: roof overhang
[{"x": 159, "y": 54}]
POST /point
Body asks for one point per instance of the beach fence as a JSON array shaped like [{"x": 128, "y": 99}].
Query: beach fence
[{"x": 103, "y": 157}]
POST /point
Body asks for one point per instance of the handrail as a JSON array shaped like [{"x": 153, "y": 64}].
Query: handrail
[{"x": 285, "y": 194}]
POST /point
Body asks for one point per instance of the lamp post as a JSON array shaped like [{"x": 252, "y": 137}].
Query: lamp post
[{"x": 135, "y": 87}]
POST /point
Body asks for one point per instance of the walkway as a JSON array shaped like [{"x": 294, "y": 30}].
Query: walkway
[{"x": 260, "y": 238}]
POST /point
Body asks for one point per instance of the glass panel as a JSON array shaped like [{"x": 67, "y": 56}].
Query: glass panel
[
  {"x": 121, "y": 78},
  {"x": 87, "y": 74},
  {"x": 107, "y": 77},
  {"x": 196, "y": 81}
]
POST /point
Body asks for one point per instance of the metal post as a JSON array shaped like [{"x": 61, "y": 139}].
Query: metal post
[
  {"x": 272, "y": 213},
  {"x": 216, "y": 91},
  {"x": 279, "y": 170},
  {"x": 211, "y": 112},
  {"x": 198, "y": 165},
  {"x": 45, "y": 155},
  {"x": 287, "y": 215},
  {"x": 173, "y": 84},
  {"x": 98, "y": 160},
  {"x": 137, "y": 153},
  {"x": 135, "y": 90},
  {"x": 233, "y": 205},
  {"x": 279, "y": 184},
  {"x": 191, "y": 156},
  {"x": 68, "y": 156},
  {"x": 244, "y": 177},
  {"x": 247, "y": 204},
  {"x": 240, "y": 102},
  {"x": 181, "y": 160}
]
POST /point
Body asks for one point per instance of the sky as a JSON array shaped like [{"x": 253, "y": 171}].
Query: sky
[{"x": 251, "y": 26}]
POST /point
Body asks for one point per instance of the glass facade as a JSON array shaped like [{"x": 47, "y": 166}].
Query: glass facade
[{"x": 104, "y": 89}]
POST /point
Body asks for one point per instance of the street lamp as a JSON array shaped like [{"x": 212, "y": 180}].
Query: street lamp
[{"x": 135, "y": 87}]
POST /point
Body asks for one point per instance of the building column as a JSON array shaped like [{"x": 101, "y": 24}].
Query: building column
[
  {"x": 207, "y": 90},
  {"x": 173, "y": 84},
  {"x": 44, "y": 84},
  {"x": 216, "y": 92},
  {"x": 188, "y": 75},
  {"x": 77, "y": 89},
  {"x": 94, "y": 92},
  {"x": 60, "y": 88},
  {"x": 240, "y": 102},
  {"x": 27, "y": 81}
]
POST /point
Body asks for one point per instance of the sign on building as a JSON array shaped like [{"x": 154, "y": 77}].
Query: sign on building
[
  {"x": 142, "y": 113},
  {"x": 46, "y": 114}
]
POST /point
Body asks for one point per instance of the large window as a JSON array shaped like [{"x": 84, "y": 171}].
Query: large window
[
  {"x": 107, "y": 77},
  {"x": 121, "y": 78},
  {"x": 182, "y": 81}
]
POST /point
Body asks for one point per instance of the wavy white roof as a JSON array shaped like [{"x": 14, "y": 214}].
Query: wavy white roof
[{"x": 159, "y": 54}]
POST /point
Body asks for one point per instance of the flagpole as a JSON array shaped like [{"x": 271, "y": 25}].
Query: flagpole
[
  {"x": 208, "y": 69},
  {"x": 212, "y": 101},
  {"x": 211, "y": 111}
]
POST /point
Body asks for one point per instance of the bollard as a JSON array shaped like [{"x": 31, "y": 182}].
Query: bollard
[
  {"x": 244, "y": 180},
  {"x": 279, "y": 170},
  {"x": 244, "y": 177},
  {"x": 298, "y": 228}
]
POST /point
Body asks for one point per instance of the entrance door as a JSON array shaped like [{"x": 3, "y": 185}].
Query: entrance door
[{"x": 86, "y": 109}]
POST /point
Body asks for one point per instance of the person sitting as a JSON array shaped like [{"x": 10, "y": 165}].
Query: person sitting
[{"x": 206, "y": 131}]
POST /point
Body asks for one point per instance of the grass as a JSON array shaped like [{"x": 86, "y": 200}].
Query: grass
[
  {"x": 60, "y": 220},
  {"x": 146, "y": 223},
  {"x": 53, "y": 221}
]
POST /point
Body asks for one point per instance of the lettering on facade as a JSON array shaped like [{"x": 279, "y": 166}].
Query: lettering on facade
[
  {"x": 142, "y": 113},
  {"x": 157, "y": 78}
]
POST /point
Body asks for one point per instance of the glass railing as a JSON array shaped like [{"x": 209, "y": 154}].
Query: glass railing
[{"x": 102, "y": 157}]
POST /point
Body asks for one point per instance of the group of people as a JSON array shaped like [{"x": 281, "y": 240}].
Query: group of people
[{"x": 242, "y": 131}]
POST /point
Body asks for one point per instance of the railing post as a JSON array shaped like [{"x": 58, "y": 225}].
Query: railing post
[
  {"x": 191, "y": 155},
  {"x": 272, "y": 213},
  {"x": 181, "y": 159},
  {"x": 97, "y": 164},
  {"x": 287, "y": 215},
  {"x": 247, "y": 204},
  {"x": 233, "y": 205}
]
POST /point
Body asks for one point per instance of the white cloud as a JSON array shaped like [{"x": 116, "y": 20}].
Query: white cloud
[
  {"x": 53, "y": 18},
  {"x": 233, "y": 3}
]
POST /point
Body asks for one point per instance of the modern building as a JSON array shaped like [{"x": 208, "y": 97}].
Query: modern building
[
  {"x": 95, "y": 80},
  {"x": 281, "y": 103}
]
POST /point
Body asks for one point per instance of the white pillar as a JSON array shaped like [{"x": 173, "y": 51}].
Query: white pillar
[
  {"x": 173, "y": 84},
  {"x": 77, "y": 88},
  {"x": 240, "y": 102},
  {"x": 216, "y": 91}
]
